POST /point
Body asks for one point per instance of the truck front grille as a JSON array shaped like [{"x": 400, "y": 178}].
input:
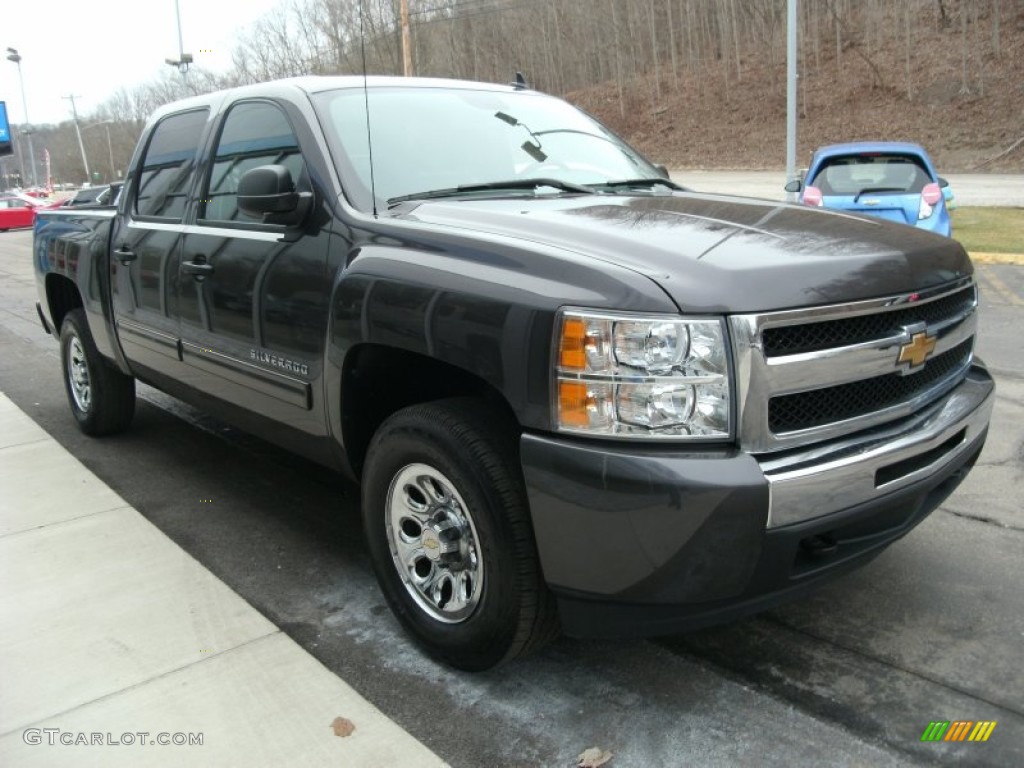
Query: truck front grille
[
  {"x": 811, "y": 375},
  {"x": 811, "y": 337},
  {"x": 804, "y": 410}
]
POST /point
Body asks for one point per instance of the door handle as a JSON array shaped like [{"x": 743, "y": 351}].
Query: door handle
[
  {"x": 124, "y": 254},
  {"x": 199, "y": 268}
]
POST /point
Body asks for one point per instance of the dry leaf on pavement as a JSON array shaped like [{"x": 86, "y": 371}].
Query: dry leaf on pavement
[
  {"x": 343, "y": 727},
  {"x": 593, "y": 758}
]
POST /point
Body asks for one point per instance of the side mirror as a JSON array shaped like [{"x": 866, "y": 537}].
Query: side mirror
[
  {"x": 663, "y": 171},
  {"x": 268, "y": 191},
  {"x": 794, "y": 186},
  {"x": 943, "y": 183}
]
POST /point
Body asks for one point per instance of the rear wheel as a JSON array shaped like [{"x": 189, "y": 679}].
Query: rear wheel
[
  {"x": 102, "y": 399},
  {"x": 448, "y": 526}
]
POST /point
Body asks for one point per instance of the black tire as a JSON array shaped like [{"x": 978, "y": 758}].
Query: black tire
[
  {"x": 498, "y": 606},
  {"x": 102, "y": 399}
]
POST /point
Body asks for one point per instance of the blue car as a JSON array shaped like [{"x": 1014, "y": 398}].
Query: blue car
[{"x": 888, "y": 179}]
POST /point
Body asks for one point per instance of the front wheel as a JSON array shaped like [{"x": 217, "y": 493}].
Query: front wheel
[
  {"x": 102, "y": 399},
  {"x": 448, "y": 527}
]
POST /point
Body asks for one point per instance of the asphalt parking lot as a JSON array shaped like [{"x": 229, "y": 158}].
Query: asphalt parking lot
[
  {"x": 931, "y": 630},
  {"x": 1001, "y": 190}
]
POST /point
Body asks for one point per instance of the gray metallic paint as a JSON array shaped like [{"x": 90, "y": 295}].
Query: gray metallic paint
[{"x": 717, "y": 254}]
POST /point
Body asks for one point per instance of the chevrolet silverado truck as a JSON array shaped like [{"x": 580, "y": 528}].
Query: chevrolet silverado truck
[{"x": 577, "y": 396}]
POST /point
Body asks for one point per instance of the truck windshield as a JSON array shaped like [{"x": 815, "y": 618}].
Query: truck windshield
[{"x": 435, "y": 139}]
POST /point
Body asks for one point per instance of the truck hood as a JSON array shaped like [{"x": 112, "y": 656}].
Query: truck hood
[{"x": 714, "y": 253}]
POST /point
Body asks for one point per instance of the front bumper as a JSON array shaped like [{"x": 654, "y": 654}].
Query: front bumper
[{"x": 640, "y": 540}]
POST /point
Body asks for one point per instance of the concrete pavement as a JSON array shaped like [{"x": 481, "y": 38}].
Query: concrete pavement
[{"x": 117, "y": 648}]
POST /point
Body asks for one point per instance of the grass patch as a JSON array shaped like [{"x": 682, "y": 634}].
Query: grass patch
[{"x": 989, "y": 230}]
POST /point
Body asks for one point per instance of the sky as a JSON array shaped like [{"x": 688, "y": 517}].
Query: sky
[{"x": 91, "y": 48}]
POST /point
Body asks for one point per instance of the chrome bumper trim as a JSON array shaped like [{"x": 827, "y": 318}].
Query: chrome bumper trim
[{"x": 828, "y": 478}]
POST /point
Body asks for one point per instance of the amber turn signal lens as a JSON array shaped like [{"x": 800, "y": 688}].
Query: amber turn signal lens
[
  {"x": 572, "y": 351},
  {"x": 572, "y": 404}
]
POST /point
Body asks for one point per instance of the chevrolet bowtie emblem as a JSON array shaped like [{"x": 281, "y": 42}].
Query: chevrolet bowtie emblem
[{"x": 917, "y": 350}]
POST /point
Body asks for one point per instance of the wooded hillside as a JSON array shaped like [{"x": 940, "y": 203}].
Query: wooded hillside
[
  {"x": 693, "y": 83},
  {"x": 701, "y": 83}
]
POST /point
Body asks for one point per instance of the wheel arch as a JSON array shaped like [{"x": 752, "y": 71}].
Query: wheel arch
[
  {"x": 62, "y": 296},
  {"x": 378, "y": 380}
]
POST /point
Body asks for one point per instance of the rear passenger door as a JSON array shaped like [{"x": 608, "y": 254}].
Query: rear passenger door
[
  {"x": 147, "y": 241},
  {"x": 253, "y": 296}
]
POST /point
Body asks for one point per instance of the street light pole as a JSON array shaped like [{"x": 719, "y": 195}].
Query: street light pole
[
  {"x": 78, "y": 132},
  {"x": 791, "y": 76},
  {"x": 110, "y": 145},
  {"x": 26, "y": 129},
  {"x": 110, "y": 151},
  {"x": 184, "y": 59}
]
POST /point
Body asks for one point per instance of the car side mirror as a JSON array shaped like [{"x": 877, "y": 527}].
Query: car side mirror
[
  {"x": 663, "y": 171},
  {"x": 794, "y": 186},
  {"x": 943, "y": 183},
  {"x": 268, "y": 191}
]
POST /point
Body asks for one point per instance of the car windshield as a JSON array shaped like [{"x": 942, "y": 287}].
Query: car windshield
[
  {"x": 877, "y": 172},
  {"x": 435, "y": 139}
]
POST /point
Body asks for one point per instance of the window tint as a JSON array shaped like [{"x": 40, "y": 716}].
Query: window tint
[
  {"x": 166, "y": 173},
  {"x": 853, "y": 174},
  {"x": 255, "y": 133}
]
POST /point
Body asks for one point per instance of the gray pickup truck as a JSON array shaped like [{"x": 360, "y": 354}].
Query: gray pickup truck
[{"x": 577, "y": 396}]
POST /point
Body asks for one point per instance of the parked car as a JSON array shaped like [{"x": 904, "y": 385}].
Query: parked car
[
  {"x": 103, "y": 194},
  {"x": 19, "y": 210},
  {"x": 891, "y": 180}
]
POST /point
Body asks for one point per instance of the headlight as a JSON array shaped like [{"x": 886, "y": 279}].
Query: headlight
[{"x": 641, "y": 376}]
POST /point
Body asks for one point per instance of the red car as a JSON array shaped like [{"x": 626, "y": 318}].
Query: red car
[{"x": 19, "y": 211}]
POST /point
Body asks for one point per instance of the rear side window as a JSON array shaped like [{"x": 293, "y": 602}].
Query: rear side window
[
  {"x": 166, "y": 171},
  {"x": 255, "y": 133},
  {"x": 853, "y": 174}
]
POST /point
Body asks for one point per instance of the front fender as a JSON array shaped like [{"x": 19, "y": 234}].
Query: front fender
[{"x": 487, "y": 311}]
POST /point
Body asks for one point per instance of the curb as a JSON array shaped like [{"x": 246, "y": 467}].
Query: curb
[{"x": 981, "y": 257}]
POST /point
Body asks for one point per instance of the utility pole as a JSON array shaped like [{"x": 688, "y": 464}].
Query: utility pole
[
  {"x": 78, "y": 132},
  {"x": 406, "y": 46},
  {"x": 26, "y": 128}
]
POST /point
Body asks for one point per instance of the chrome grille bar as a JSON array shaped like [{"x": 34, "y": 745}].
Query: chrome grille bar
[{"x": 941, "y": 314}]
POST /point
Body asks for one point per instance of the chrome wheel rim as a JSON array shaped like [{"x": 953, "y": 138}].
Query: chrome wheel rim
[
  {"x": 434, "y": 543},
  {"x": 78, "y": 375}
]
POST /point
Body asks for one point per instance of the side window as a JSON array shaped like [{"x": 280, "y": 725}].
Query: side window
[
  {"x": 255, "y": 133},
  {"x": 166, "y": 170}
]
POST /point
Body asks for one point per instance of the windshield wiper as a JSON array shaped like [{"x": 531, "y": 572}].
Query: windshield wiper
[
  {"x": 511, "y": 184},
  {"x": 641, "y": 184}
]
